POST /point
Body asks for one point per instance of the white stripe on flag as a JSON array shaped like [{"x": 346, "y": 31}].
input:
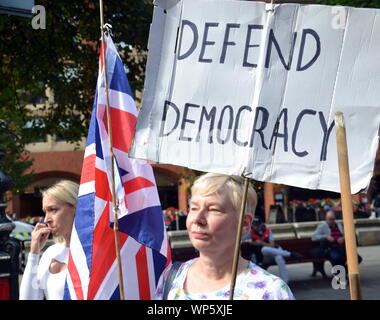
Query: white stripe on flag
[
  {"x": 118, "y": 100},
  {"x": 90, "y": 150},
  {"x": 99, "y": 206},
  {"x": 134, "y": 166},
  {"x": 100, "y": 164},
  {"x": 86, "y": 188},
  {"x": 80, "y": 261},
  {"x": 105, "y": 165},
  {"x": 142, "y": 198},
  {"x": 152, "y": 276},
  {"x": 164, "y": 246}
]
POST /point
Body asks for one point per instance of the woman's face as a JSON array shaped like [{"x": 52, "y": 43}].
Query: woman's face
[
  {"x": 212, "y": 222},
  {"x": 59, "y": 216}
]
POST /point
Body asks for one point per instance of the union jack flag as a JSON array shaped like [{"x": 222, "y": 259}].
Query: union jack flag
[{"x": 92, "y": 265}]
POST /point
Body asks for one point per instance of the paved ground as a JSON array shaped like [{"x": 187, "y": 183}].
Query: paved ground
[{"x": 305, "y": 287}]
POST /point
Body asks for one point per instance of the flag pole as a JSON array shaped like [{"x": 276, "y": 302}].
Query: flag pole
[
  {"x": 113, "y": 192},
  {"x": 348, "y": 220},
  {"x": 238, "y": 239}
]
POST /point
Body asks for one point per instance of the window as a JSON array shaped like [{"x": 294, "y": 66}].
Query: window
[{"x": 35, "y": 129}]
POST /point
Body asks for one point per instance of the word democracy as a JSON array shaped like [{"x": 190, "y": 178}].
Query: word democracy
[
  {"x": 223, "y": 125},
  {"x": 237, "y": 37}
]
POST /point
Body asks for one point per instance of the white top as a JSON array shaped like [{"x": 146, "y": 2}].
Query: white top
[{"x": 38, "y": 282}]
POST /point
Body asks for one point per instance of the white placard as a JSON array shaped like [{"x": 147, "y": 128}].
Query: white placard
[{"x": 235, "y": 88}]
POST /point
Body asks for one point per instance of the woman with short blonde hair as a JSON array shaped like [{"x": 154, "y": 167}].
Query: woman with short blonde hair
[
  {"x": 212, "y": 182},
  {"x": 212, "y": 224},
  {"x": 64, "y": 190}
]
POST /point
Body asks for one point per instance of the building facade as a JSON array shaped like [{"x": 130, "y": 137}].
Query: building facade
[{"x": 55, "y": 159}]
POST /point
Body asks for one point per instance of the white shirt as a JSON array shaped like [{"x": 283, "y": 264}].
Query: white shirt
[{"x": 38, "y": 282}]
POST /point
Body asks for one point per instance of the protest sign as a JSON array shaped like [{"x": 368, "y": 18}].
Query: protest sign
[{"x": 235, "y": 88}]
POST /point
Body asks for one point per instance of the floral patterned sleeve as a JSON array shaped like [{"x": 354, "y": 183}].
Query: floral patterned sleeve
[
  {"x": 279, "y": 290},
  {"x": 161, "y": 284}
]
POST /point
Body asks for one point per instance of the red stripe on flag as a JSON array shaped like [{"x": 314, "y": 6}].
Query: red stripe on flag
[
  {"x": 123, "y": 128},
  {"x": 74, "y": 275},
  {"x": 88, "y": 169},
  {"x": 104, "y": 252},
  {"x": 143, "y": 274},
  {"x": 101, "y": 185},
  {"x": 136, "y": 184}
]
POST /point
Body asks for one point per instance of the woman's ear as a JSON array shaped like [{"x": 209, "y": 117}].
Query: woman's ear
[{"x": 248, "y": 218}]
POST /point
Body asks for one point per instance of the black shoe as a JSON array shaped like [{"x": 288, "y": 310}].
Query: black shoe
[{"x": 296, "y": 256}]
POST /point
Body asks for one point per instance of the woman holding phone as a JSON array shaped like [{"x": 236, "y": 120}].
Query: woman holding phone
[{"x": 45, "y": 275}]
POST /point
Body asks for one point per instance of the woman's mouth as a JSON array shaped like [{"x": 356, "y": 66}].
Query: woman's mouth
[{"x": 199, "y": 235}]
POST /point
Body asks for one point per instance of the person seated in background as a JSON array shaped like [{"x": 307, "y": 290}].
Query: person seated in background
[
  {"x": 266, "y": 251},
  {"x": 375, "y": 205},
  {"x": 330, "y": 235}
]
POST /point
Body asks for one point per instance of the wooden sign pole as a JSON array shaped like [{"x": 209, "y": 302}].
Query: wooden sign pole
[
  {"x": 348, "y": 220},
  {"x": 112, "y": 156},
  {"x": 238, "y": 239}
]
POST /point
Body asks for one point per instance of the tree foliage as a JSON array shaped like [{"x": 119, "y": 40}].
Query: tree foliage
[
  {"x": 352, "y": 3},
  {"x": 64, "y": 58}
]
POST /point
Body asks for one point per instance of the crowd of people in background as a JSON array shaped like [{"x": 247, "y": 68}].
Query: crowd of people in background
[{"x": 171, "y": 214}]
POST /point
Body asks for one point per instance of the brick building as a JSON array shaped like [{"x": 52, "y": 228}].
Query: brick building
[{"x": 55, "y": 159}]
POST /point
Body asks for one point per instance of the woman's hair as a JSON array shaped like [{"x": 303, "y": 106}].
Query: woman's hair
[
  {"x": 211, "y": 183},
  {"x": 64, "y": 190}
]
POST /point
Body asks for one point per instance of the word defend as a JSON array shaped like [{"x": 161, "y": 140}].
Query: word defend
[
  {"x": 254, "y": 92},
  {"x": 252, "y": 29}
]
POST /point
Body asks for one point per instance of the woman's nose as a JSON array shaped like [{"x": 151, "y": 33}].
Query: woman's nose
[
  {"x": 200, "y": 217},
  {"x": 47, "y": 218}
]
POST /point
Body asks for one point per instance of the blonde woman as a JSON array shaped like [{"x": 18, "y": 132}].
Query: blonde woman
[
  {"x": 44, "y": 276},
  {"x": 212, "y": 224}
]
